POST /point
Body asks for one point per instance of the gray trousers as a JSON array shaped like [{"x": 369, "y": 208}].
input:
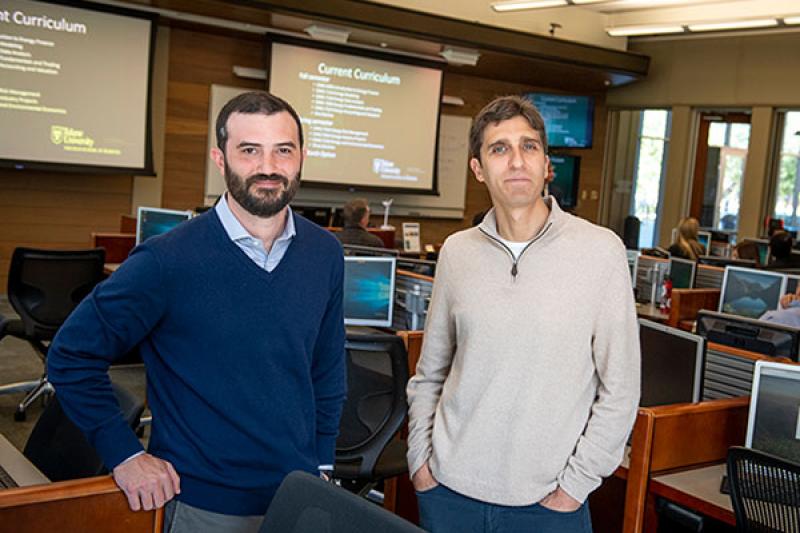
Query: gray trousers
[{"x": 182, "y": 518}]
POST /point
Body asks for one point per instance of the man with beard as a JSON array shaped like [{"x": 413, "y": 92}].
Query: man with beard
[{"x": 238, "y": 317}]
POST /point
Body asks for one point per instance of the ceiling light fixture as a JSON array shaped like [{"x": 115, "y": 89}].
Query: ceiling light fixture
[
  {"x": 626, "y": 31},
  {"x": 518, "y": 5},
  {"x": 733, "y": 25}
]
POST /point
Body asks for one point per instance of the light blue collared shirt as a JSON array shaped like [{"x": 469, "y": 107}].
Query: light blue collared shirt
[{"x": 252, "y": 246}]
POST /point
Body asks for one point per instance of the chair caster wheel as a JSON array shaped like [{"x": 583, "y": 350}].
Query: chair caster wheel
[{"x": 19, "y": 416}]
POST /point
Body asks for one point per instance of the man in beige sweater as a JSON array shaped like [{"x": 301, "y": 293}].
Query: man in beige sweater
[{"x": 529, "y": 377}]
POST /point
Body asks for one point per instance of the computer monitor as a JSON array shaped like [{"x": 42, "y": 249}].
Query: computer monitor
[
  {"x": 672, "y": 364},
  {"x": 682, "y": 272},
  {"x": 773, "y": 424},
  {"x": 713, "y": 260},
  {"x": 768, "y": 338},
  {"x": 749, "y": 292},
  {"x": 319, "y": 215},
  {"x": 704, "y": 238},
  {"x": 633, "y": 264},
  {"x": 369, "y": 291},
  {"x": 152, "y": 221},
  {"x": 763, "y": 250},
  {"x": 791, "y": 284}
]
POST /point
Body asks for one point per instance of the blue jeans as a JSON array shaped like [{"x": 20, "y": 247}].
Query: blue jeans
[{"x": 443, "y": 511}]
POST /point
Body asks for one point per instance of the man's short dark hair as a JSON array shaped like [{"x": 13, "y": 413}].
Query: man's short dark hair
[
  {"x": 250, "y": 103},
  {"x": 780, "y": 245},
  {"x": 354, "y": 211},
  {"x": 504, "y": 108}
]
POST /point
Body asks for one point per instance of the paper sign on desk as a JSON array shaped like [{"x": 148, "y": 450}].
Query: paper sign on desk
[{"x": 411, "y": 237}]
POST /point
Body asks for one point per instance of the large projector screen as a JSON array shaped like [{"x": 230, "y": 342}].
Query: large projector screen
[
  {"x": 75, "y": 87},
  {"x": 370, "y": 122}
]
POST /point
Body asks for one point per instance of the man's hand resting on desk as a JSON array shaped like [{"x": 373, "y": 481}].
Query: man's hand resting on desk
[
  {"x": 147, "y": 481},
  {"x": 560, "y": 501}
]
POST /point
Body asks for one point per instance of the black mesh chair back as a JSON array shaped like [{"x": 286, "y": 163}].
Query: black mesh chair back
[
  {"x": 375, "y": 408},
  {"x": 45, "y": 286},
  {"x": 765, "y": 491},
  {"x": 306, "y": 504},
  {"x": 60, "y": 450}
]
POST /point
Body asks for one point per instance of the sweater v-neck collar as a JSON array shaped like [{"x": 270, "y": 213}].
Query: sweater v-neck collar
[{"x": 232, "y": 247}]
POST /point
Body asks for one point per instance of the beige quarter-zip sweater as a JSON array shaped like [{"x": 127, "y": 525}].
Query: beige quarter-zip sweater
[{"x": 529, "y": 374}]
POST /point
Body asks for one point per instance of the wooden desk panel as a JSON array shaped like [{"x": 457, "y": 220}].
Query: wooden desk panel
[
  {"x": 83, "y": 505},
  {"x": 116, "y": 245}
]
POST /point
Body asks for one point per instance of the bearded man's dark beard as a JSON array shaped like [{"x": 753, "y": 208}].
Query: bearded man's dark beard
[{"x": 264, "y": 203}]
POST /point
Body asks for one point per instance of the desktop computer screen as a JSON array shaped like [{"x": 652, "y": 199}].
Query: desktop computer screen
[
  {"x": 791, "y": 284},
  {"x": 672, "y": 364},
  {"x": 369, "y": 291},
  {"x": 751, "y": 293},
  {"x": 704, "y": 238},
  {"x": 152, "y": 221},
  {"x": 762, "y": 245},
  {"x": 682, "y": 272},
  {"x": 773, "y": 424}
]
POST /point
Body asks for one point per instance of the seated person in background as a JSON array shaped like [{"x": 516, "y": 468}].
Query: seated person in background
[
  {"x": 356, "y": 219},
  {"x": 780, "y": 249},
  {"x": 687, "y": 246},
  {"x": 746, "y": 250},
  {"x": 788, "y": 313}
]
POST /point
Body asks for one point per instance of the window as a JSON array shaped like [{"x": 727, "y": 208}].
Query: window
[
  {"x": 729, "y": 141},
  {"x": 651, "y": 151},
  {"x": 787, "y": 190}
]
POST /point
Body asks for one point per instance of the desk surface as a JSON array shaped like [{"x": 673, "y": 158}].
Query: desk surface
[
  {"x": 651, "y": 312},
  {"x": 697, "y": 489},
  {"x": 18, "y": 467},
  {"x": 110, "y": 268}
]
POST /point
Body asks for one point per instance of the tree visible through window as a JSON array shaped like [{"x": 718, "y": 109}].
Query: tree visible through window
[
  {"x": 650, "y": 156},
  {"x": 787, "y": 195}
]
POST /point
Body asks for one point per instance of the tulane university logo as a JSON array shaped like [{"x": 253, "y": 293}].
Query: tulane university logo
[{"x": 57, "y": 134}]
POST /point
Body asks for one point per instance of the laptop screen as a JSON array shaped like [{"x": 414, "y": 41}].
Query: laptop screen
[{"x": 773, "y": 425}]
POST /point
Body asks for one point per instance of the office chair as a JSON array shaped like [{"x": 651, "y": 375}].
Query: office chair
[
  {"x": 765, "y": 491},
  {"x": 369, "y": 449},
  {"x": 306, "y": 504},
  {"x": 60, "y": 450},
  {"x": 44, "y": 286}
]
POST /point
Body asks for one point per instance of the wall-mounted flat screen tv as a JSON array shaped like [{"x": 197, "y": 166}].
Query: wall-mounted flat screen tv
[
  {"x": 569, "y": 119},
  {"x": 564, "y": 187}
]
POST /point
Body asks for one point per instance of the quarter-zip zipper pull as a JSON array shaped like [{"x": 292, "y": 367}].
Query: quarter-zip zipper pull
[{"x": 514, "y": 270}]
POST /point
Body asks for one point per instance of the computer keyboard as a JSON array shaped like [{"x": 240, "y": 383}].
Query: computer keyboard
[{"x": 5, "y": 480}]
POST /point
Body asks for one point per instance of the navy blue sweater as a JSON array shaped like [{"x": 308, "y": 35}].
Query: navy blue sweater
[{"x": 245, "y": 368}]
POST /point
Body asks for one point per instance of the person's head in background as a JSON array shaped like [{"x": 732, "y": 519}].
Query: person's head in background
[
  {"x": 356, "y": 213},
  {"x": 687, "y": 238},
  {"x": 746, "y": 250},
  {"x": 780, "y": 246}
]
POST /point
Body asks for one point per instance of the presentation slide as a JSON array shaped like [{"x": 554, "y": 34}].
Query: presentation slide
[
  {"x": 568, "y": 119},
  {"x": 369, "y": 123},
  {"x": 73, "y": 86}
]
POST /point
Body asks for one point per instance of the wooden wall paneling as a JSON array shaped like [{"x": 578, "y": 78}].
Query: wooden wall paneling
[
  {"x": 57, "y": 210},
  {"x": 198, "y": 58}
]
